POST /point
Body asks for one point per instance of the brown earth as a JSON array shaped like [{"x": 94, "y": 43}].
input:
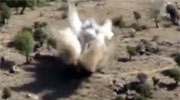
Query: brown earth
[{"x": 50, "y": 81}]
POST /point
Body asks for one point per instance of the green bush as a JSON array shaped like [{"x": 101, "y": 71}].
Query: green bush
[
  {"x": 6, "y": 93},
  {"x": 144, "y": 90},
  {"x": 39, "y": 35},
  {"x": 24, "y": 43},
  {"x": 131, "y": 51},
  {"x": 5, "y": 12},
  {"x": 175, "y": 74},
  {"x": 39, "y": 32}
]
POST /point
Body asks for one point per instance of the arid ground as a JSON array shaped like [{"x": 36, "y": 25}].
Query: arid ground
[{"x": 50, "y": 81}]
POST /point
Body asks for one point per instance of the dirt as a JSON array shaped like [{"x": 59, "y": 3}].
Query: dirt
[{"x": 51, "y": 81}]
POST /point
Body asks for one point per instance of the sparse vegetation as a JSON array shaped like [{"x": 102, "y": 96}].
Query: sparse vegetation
[
  {"x": 155, "y": 11},
  {"x": 137, "y": 16},
  {"x": 176, "y": 57},
  {"x": 144, "y": 90},
  {"x": 119, "y": 98},
  {"x": 64, "y": 7},
  {"x": 142, "y": 78},
  {"x": 5, "y": 13},
  {"x": 24, "y": 43},
  {"x": 119, "y": 22},
  {"x": 6, "y": 93},
  {"x": 174, "y": 15},
  {"x": 131, "y": 51},
  {"x": 136, "y": 26},
  {"x": 52, "y": 42},
  {"x": 155, "y": 38},
  {"x": 155, "y": 82},
  {"x": 148, "y": 46},
  {"x": 140, "y": 97},
  {"x": 39, "y": 33},
  {"x": 21, "y": 3},
  {"x": 175, "y": 74},
  {"x": 27, "y": 29}
]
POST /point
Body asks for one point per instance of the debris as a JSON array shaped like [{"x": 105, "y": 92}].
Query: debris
[
  {"x": 14, "y": 69},
  {"x": 32, "y": 96}
]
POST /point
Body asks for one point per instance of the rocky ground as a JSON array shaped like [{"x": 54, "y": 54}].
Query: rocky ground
[{"x": 50, "y": 81}]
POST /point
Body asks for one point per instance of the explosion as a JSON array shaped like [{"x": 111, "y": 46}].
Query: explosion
[{"x": 85, "y": 43}]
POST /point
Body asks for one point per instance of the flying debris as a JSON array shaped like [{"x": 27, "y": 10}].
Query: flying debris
[{"x": 84, "y": 43}]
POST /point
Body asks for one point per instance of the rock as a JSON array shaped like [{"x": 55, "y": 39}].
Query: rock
[
  {"x": 141, "y": 49},
  {"x": 14, "y": 69},
  {"x": 167, "y": 43},
  {"x": 32, "y": 96},
  {"x": 6, "y": 73},
  {"x": 3, "y": 30},
  {"x": 131, "y": 94},
  {"x": 129, "y": 32}
]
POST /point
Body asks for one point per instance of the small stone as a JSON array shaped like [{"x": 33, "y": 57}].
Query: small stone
[
  {"x": 6, "y": 73},
  {"x": 14, "y": 69},
  {"x": 32, "y": 96}
]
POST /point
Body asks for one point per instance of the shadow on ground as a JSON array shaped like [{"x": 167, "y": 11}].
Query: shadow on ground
[
  {"x": 52, "y": 77},
  {"x": 169, "y": 87},
  {"x": 6, "y": 65}
]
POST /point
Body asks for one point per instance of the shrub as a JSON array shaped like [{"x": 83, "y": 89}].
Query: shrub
[
  {"x": 21, "y": 3},
  {"x": 119, "y": 22},
  {"x": 140, "y": 97},
  {"x": 156, "y": 21},
  {"x": 36, "y": 25},
  {"x": 119, "y": 98},
  {"x": 155, "y": 11},
  {"x": 155, "y": 38},
  {"x": 40, "y": 25},
  {"x": 39, "y": 35},
  {"x": 27, "y": 29},
  {"x": 137, "y": 27},
  {"x": 24, "y": 43},
  {"x": 44, "y": 24},
  {"x": 176, "y": 57},
  {"x": 155, "y": 81},
  {"x": 64, "y": 7},
  {"x": 131, "y": 51},
  {"x": 137, "y": 16},
  {"x": 52, "y": 42},
  {"x": 173, "y": 12},
  {"x": 144, "y": 90},
  {"x": 175, "y": 74},
  {"x": 6, "y": 93},
  {"x": 142, "y": 77},
  {"x": 5, "y": 12}
]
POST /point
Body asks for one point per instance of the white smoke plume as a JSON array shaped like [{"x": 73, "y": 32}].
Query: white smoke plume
[{"x": 85, "y": 43}]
